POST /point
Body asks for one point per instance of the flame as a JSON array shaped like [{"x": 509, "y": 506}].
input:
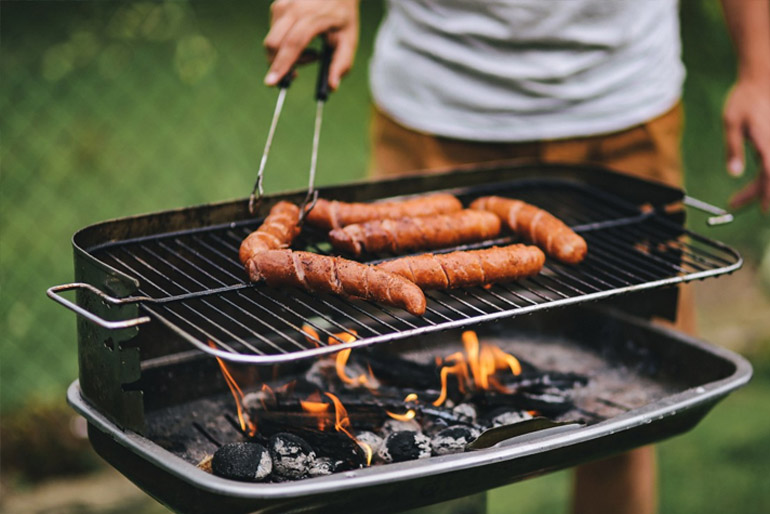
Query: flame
[
  {"x": 342, "y": 360},
  {"x": 315, "y": 406},
  {"x": 342, "y": 424},
  {"x": 311, "y": 335},
  {"x": 477, "y": 367},
  {"x": 409, "y": 414},
  {"x": 237, "y": 395}
]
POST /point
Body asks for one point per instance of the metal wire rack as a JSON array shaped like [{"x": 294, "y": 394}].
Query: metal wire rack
[{"x": 193, "y": 282}]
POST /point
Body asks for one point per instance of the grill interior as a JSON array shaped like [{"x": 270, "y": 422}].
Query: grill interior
[{"x": 196, "y": 285}]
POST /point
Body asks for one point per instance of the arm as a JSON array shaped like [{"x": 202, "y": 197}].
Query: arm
[
  {"x": 294, "y": 24},
  {"x": 747, "y": 109}
]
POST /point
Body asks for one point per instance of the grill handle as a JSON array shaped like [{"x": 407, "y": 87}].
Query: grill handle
[
  {"x": 721, "y": 216},
  {"x": 53, "y": 293}
]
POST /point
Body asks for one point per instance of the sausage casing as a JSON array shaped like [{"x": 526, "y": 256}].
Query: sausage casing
[
  {"x": 333, "y": 214},
  {"x": 325, "y": 274},
  {"x": 277, "y": 231},
  {"x": 537, "y": 226},
  {"x": 468, "y": 268},
  {"x": 416, "y": 233}
]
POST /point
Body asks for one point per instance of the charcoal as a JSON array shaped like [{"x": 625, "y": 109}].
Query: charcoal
[
  {"x": 371, "y": 439},
  {"x": 453, "y": 440},
  {"x": 552, "y": 402},
  {"x": 292, "y": 456},
  {"x": 395, "y": 425},
  {"x": 321, "y": 466},
  {"x": 465, "y": 412},
  {"x": 404, "y": 446},
  {"x": 502, "y": 417},
  {"x": 242, "y": 461},
  {"x": 398, "y": 371}
]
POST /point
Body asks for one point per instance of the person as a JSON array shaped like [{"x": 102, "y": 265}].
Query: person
[{"x": 459, "y": 81}]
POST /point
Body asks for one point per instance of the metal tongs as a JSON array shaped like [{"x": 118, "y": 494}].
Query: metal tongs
[{"x": 321, "y": 94}]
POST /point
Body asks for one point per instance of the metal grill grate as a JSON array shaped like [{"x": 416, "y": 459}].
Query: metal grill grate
[{"x": 199, "y": 289}]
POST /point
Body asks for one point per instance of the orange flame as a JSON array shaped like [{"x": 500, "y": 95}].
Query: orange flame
[
  {"x": 342, "y": 360},
  {"x": 409, "y": 414},
  {"x": 342, "y": 424},
  {"x": 480, "y": 363},
  {"x": 311, "y": 335},
  {"x": 315, "y": 406},
  {"x": 237, "y": 395}
]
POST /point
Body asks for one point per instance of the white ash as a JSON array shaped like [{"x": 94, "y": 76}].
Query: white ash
[
  {"x": 292, "y": 456},
  {"x": 322, "y": 373},
  {"x": 394, "y": 425},
  {"x": 371, "y": 439},
  {"x": 258, "y": 400},
  {"x": 465, "y": 412},
  {"x": 404, "y": 446},
  {"x": 509, "y": 418},
  {"x": 321, "y": 466},
  {"x": 453, "y": 439},
  {"x": 242, "y": 461}
]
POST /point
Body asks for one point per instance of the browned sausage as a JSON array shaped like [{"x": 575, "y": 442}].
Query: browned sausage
[
  {"x": 333, "y": 214},
  {"x": 421, "y": 233},
  {"x": 537, "y": 226},
  {"x": 470, "y": 268},
  {"x": 323, "y": 274},
  {"x": 277, "y": 231}
]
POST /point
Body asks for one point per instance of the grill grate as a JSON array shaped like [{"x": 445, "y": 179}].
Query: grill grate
[{"x": 199, "y": 289}]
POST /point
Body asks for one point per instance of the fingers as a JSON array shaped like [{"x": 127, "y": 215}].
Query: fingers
[
  {"x": 734, "y": 140},
  {"x": 344, "y": 54}
]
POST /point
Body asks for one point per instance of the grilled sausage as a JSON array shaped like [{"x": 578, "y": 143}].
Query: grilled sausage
[
  {"x": 333, "y": 214},
  {"x": 324, "y": 274},
  {"x": 277, "y": 231},
  {"x": 420, "y": 233},
  {"x": 470, "y": 268},
  {"x": 537, "y": 226}
]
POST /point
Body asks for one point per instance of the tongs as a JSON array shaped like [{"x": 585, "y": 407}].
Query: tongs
[{"x": 321, "y": 94}]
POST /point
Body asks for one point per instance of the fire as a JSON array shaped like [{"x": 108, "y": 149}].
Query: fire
[
  {"x": 315, "y": 406},
  {"x": 342, "y": 360},
  {"x": 342, "y": 424},
  {"x": 238, "y": 396},
  {"x": 477, "y": 367},
  {"x": 409, "y": 414},
  {"x": 311, "y": 335}
]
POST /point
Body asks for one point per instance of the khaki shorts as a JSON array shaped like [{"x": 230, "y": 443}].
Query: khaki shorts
[{"x": 650, "y": 150}]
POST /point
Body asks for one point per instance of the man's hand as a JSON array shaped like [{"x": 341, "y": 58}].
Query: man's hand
[
  {"x": 747, "y": 116},
  {"x": 294, "y": 24},
  {"x": 747, "y": 110}
]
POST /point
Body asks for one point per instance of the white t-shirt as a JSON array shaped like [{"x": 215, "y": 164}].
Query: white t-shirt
[{"x": 524, "y": 70}]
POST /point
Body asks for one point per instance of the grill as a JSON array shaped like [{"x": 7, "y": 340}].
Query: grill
[
  {"x": 153, "y": 291},
  {"x": 192, "y": 281}
]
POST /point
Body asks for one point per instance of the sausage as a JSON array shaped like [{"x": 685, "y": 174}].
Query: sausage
[
  {"x": 323, "y": 274},
  {"x": 537, "y": 226},
  {"x": 419, "y": 233},
  {"x": 277, "y": 231},
  {"x": 468, "y": 268},
  {"x": 333, "y": 214}
]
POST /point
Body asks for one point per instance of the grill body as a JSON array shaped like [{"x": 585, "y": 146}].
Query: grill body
[{"x": 692, "y": 390}]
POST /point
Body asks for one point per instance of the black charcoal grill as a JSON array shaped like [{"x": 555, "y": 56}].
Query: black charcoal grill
[{"x": 158, "y": 294}]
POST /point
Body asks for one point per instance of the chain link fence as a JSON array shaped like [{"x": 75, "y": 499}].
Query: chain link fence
[{"x": 117, "y": 108}]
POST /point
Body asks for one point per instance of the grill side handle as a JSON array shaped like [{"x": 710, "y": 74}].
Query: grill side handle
[{"x": 53, "y": 293}]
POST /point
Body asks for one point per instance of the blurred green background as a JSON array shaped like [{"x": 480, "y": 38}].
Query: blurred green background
[{"x": 110, "y": 109}]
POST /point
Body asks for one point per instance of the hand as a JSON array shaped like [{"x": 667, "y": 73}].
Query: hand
[
  {"x": 294, "y": 24},
  {"x": 747, "y": 115}
]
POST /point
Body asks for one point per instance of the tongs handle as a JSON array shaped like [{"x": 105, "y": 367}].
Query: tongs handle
[
  {"x": 322, "y": 91},
  {"x": 720, "y": 216}
]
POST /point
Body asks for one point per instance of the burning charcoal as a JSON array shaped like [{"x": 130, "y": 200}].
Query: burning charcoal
[
  {"x": 394, "y": 425},
  {"x": 322, "y": 374},
  {"x": 403, "y": 446},
  {"x": 242, "y": 461},
  {"x": 453, "y": 440},
  {"x": 370, "y": 438},
  {"x": 292, "y": 456},
  {"x": 552, "y": 402},
  {"x": 321, "y": 466},
  {"x": 465, "y": 412},
  {"x": 509, "y": 418}
]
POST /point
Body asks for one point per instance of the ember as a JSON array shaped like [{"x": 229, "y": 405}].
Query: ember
[{"x": 310, "y": 431}]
